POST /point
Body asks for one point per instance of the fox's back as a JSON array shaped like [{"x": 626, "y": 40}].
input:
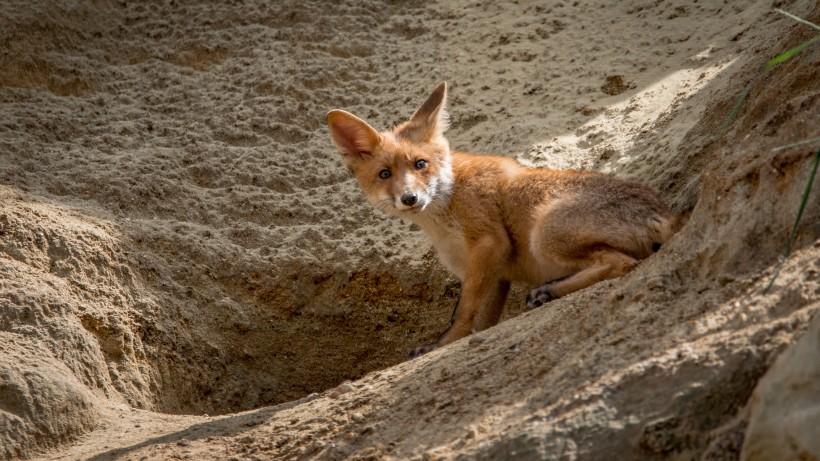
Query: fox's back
[
  {"x": 498, "y": 188},
  {"x": 498, "y": 195}
]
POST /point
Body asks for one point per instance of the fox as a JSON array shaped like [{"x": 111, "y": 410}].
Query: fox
[{"x": 493, "y": 221}]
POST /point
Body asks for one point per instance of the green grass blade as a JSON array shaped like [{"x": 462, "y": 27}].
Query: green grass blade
[
  {"x": 803, "y": 201},
  {"x": 787, "y": 54},
  {"x": 793, "y": 234},
  {"x": 736, "y": 108}
]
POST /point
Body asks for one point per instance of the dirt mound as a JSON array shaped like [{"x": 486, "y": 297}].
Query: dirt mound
[{"x": 178, "y": 236}]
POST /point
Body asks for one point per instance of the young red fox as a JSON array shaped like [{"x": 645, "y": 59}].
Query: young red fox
[{"x": 494, "y": 221}]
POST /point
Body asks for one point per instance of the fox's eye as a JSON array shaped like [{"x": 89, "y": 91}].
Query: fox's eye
[
  {"x": 384, "y": 174},
  {"x": 421, "y": 164}
]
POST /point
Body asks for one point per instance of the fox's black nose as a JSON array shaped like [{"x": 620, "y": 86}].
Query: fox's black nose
[{"x": 409, "y": 198}]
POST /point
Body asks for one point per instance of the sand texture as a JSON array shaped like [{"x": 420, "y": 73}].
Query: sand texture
[{"x": 188, "y": 270}]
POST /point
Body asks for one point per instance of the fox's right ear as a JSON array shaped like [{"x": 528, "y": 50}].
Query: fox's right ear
[
  {"x": 431, "y": 120},
  {"x": 354, "y": 138}
]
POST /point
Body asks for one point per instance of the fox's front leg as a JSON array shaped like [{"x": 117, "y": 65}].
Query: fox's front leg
[{"x": 483, "y": 294}]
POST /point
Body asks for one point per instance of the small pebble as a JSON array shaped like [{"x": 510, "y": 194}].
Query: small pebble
[
  {"x": 476, "y": 339},
  {"x": 655, "y": 283},
  {"x": 340, "y": 390}
]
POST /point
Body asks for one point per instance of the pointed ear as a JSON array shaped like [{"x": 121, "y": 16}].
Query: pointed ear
[
  {"x": 352, "y": 136},
  {"x": 431, "y": 119}
]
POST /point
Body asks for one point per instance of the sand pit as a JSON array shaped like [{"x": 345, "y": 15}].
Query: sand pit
[{"x": 187, "y": 269}]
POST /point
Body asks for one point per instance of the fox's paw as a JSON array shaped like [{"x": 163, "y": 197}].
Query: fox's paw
[
  {"x": 421, "y": 350},
  {"x": 539, "y": 296}
]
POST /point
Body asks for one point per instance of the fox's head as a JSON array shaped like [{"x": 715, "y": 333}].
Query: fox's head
[{"x": 404, "y": 170}]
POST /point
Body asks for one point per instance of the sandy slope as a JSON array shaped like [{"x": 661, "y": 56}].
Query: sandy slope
[{"x": 177, "y": 235}]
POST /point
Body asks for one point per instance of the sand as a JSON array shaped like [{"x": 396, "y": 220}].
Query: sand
[{"x": 187, "y": 269}]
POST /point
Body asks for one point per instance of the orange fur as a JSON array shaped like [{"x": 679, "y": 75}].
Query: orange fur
[{"x": 492, "y": 221}]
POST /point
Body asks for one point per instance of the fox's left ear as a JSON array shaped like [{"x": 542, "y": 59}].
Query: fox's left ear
[{"x": 431, "y": 120}]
